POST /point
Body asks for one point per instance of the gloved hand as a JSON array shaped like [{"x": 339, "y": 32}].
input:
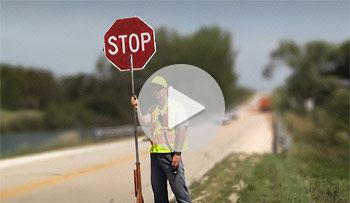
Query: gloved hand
[
  {"x": 134, "y": 101},
  {"x": 175, "y": 163}
]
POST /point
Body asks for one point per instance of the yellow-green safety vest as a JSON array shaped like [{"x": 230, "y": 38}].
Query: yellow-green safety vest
[{"x": 157, "y": 132}]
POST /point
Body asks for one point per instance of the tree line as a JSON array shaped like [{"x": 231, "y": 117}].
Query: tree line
[
  {"x": 320, "y": 75},
  {"x": 103, "y": 98}
]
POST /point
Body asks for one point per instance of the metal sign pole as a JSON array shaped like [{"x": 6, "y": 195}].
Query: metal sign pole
[
  {"x": 137, "y": 171},
  {"x": 135, "y": 121}
]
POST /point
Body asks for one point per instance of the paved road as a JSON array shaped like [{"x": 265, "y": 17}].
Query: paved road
[{"x": 103, "y": 173}]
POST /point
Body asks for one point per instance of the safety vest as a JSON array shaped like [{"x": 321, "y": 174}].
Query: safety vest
[{"x": 161, "y": 134}]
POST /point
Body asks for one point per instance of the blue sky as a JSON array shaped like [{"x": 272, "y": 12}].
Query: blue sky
[{"x": 67, "y": 37}]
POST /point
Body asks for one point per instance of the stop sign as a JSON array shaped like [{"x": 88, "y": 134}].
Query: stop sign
[{"x": 129, "y": 36}]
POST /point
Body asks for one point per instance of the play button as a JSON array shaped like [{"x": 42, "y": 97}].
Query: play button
[
  {"x": 181, "y": 108},
  {"x": 187, "y": 107}
]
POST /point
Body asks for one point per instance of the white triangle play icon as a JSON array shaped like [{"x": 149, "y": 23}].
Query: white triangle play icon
[{"x": 181, "y": 107}]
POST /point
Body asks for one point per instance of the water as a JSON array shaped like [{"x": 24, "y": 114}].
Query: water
[{"x": 14, "y": 142}]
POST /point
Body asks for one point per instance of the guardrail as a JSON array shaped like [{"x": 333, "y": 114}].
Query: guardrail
[
  {"x": 115, "y": 132},
  {"x": 282, "y": 139}
]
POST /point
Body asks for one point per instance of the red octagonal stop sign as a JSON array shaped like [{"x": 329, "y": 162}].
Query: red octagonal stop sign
[{"x": 129, "y": 36}]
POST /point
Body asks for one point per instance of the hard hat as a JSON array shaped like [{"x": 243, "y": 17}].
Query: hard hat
[{"x": 159, "y": 80}]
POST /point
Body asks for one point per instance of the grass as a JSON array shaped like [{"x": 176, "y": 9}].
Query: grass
[
  {"x": 277, "y": 179},
  {"x": 25, "y": 150},
  {"x": 219, "y": 183},
  {"x": 313, "y": 170},
  {"x": 37, "y": 149}
]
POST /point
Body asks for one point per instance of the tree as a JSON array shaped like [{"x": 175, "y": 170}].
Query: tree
[
  {"x": 339, "y": 61},
  {"x": 318, "y": 72},
  {"x": 209, "y": 48},
  {"x": 103, "y": 98},
  {"x": 27, "y": 88},
  {"x": 316, "y": 68}
]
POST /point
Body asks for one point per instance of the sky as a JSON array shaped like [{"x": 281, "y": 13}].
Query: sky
[{"x": 66, "y": 37}]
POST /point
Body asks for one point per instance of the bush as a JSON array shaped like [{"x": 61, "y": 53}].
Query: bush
[
  {"x": 74, "y": 115},
  {"x": 338, "y": 109},
  {"x": 23, "y": 120}
]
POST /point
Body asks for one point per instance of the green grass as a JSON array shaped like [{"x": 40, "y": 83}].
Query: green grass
[
  {"x": 277, "y": 179},
  {"x": 25, "y": 150},
  {"x": 272, "y": 178},
  {"x": 313, "y": 170},
  {"x": 221, "y": 181}
]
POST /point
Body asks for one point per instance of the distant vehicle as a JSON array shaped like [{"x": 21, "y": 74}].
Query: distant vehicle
[
  {"x": 227, "y": 120},
  {"x": 234, "y": 115},
  {"x": 264, "y": 104},
  {"x": 229, "y": 116}
]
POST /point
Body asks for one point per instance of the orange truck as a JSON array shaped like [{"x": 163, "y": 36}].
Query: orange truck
[{"x": 264, "y": 104}]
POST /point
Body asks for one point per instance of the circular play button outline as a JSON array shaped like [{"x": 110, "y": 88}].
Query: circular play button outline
[{"x": 181, "y": 107}]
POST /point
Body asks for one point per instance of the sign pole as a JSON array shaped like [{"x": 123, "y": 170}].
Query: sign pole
[
  {"x": 135, "y": 121},
  {"x": 137, "y": 171}
]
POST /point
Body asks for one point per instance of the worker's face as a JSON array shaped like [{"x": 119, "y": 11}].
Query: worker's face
[{"x": 159, "y": 91}]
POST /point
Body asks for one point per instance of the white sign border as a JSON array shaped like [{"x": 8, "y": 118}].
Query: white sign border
[{"x": 154, "y": 41}]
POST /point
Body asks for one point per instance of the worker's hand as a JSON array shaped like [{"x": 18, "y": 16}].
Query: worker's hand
[
  {"x": 176, "y": 161},
  {"x": 134, "y": 101}
]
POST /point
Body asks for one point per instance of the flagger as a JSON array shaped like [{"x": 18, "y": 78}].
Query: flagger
[{"x": 166, "y": 144}]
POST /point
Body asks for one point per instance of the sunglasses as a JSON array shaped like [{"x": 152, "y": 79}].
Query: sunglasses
[{"x": 157, "y": 88}]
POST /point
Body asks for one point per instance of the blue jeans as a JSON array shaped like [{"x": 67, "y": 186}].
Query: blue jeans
[{"x": 161, "y": 172}]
